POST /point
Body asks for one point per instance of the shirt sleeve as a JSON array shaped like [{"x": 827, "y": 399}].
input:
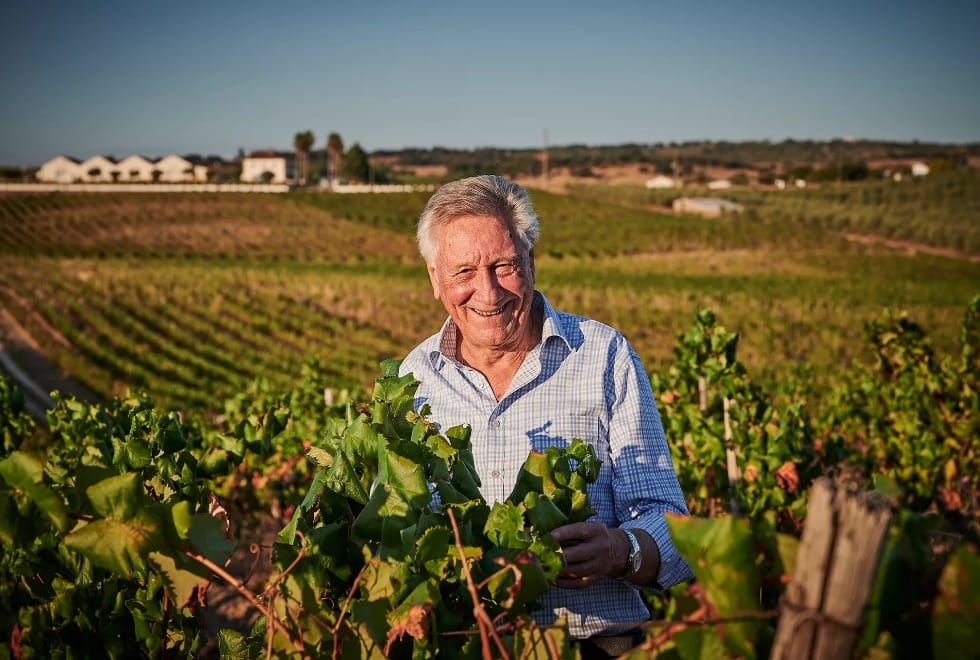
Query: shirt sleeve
[{"x": 645, "y": 486}]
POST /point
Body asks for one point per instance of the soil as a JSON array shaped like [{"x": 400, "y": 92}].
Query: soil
[{"x": 23, "y": 360}]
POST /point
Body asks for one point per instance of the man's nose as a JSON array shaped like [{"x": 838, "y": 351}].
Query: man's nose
[{"x": 487, "y": 282}]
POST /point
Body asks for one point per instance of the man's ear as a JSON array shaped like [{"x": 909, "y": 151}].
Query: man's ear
[
  {"x": 433, "y": 280},
  {"x": 530, "y": 263}
]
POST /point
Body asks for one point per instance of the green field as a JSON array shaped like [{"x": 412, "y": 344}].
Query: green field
[{"x": 190, "y": 296}]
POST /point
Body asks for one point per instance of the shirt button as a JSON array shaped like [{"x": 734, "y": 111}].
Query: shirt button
[
  {"x": 495, "y": 473},
  {"x": 495, "y": 423}
]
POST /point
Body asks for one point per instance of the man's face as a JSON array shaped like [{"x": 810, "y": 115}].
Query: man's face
[{"x": 484, "y": 281}]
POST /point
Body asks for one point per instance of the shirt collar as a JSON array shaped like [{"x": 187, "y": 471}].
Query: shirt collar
[{"x": 448, "y": 335}]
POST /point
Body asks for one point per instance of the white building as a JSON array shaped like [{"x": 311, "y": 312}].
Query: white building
[
  {"x": 97, "y": 169},
  {"x": 719, "y": 184},
  {"x": 134, "y": 168},
  {"x": 706, "y": 207},
  {"x": 661, "y": 181},
  {"x": 174, "y": 169},
  {"x": 60, "y": 169},
  {"x": 264, "y": 169}
]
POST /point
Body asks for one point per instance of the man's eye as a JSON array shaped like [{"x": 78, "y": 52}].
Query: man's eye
[{"x": 506, "y": 269}]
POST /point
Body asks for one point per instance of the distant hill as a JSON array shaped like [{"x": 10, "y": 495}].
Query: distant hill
[{"x": 683, "y": 157}]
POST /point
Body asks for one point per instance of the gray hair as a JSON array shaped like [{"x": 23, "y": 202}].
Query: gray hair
[{"x": 486, "y": 195}]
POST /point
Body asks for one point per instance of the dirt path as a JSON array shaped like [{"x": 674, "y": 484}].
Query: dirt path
[
  {"x": 21, "y": 358},
  {"x": 911, "y": 247}
]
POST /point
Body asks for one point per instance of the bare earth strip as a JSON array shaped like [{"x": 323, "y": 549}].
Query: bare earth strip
[
  {"x": 22, "y": 359},
  {"x": 911, "y": 247}
]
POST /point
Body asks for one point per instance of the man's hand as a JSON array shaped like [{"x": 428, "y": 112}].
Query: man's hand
[{"x": 592, "y": 552}]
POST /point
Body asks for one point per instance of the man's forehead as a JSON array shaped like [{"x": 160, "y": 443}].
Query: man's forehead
[{"x": 477, "y": 237}]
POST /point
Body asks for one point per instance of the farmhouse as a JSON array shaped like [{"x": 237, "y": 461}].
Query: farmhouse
[
  {"x": 264, "y": 168},
  {"x": 706, "y": 207}
]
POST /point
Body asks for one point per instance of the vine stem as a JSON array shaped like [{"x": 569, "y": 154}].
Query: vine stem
[
  {"x": 246, "y": 594},
  {"x": 698, "y": 618},
  {"x": 343, "y": 611},
  {"x": 289, "y": 569},
  {"x": 487, "y": 631},
  {"x": 166, "y": 624}
]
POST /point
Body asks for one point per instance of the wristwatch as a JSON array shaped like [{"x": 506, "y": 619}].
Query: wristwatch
[{"x": 635, "y": 557}]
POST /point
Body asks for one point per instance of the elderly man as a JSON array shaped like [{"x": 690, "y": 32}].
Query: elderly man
[{"x": 525, "y": 376}]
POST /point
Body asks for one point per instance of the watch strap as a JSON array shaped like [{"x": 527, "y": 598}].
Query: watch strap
[{"x": 635, "y": 557}]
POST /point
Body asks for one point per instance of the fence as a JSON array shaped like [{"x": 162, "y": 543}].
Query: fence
[
  {"x": 205, "y": 187},
  {"x": 145, "y": 187}
]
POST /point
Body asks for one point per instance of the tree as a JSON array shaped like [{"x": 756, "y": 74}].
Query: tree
[
  {"x": 355, "y": 164},
  {"x": 302, "y": 143},
  {"x": 335, "y": 150}
]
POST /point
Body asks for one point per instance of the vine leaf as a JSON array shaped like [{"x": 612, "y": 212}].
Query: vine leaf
[
  {"x": 24, "y": 472},
  {"x": 956, "y": 610},
  {"x": 207, "y": 533},
  {"x": 179, "y": 576},
  {"x": 723, "y": 554},
  {"x": 116, "y": 545}
]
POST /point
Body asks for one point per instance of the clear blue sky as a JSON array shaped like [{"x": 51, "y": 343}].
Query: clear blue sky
[{"x": 211, "y": 77}]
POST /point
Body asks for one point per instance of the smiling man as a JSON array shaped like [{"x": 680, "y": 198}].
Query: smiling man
[{"x": 525, "y": 376}]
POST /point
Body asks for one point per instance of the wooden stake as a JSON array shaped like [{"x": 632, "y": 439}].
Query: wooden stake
[{"x": 823, "y": 606}]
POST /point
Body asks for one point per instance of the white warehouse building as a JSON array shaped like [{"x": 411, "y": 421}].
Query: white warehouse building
[{"x": 135, "y": 168}]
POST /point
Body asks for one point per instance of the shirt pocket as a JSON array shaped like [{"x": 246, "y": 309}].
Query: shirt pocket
[{"x": 562, "y": 429}]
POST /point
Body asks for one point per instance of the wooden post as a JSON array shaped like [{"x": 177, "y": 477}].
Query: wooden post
[{"x": 823, "y": 606}]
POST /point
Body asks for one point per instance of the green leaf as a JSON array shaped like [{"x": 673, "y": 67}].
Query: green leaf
[
  {"x": 956, "y": 610},
  {"x": 117, "y": 546},
  {"x": 407, "y": 478},
  {"x": 233, "y": 645},
  {"x": 361, "y": 440},
  {"x": 505, "y": 527},
  {"x": 436, "y": 549},
  {"x": 542, "y": 512},
  {"x": 181, "y": 516},
  {"x": 389, "y": 367},
  {"x": 133, "y": 452},
  {"x": 120, "y": 497},
  {"x": 25, "y": 473},
  {"x": 700, "y": 643},
  {"x": 533, "y": 477},
  {"x": 207, "y": 534},
  {"x": 321, "y": 457},
  {"x": 535, "y": 643},
  {"x": 180, "y": 575},
  {"x": 341, "y": 478},
  {"x": 722, "y": 553},
  {"x": 459, "y": 436}
]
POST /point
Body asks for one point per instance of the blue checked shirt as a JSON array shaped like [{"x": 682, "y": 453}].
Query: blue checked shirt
[{"x": 583, "y": 380}]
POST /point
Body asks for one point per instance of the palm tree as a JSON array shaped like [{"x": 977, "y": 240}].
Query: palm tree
[
  {"x": 302, "y": 143},
  {"x": 335, "y": 149}
]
